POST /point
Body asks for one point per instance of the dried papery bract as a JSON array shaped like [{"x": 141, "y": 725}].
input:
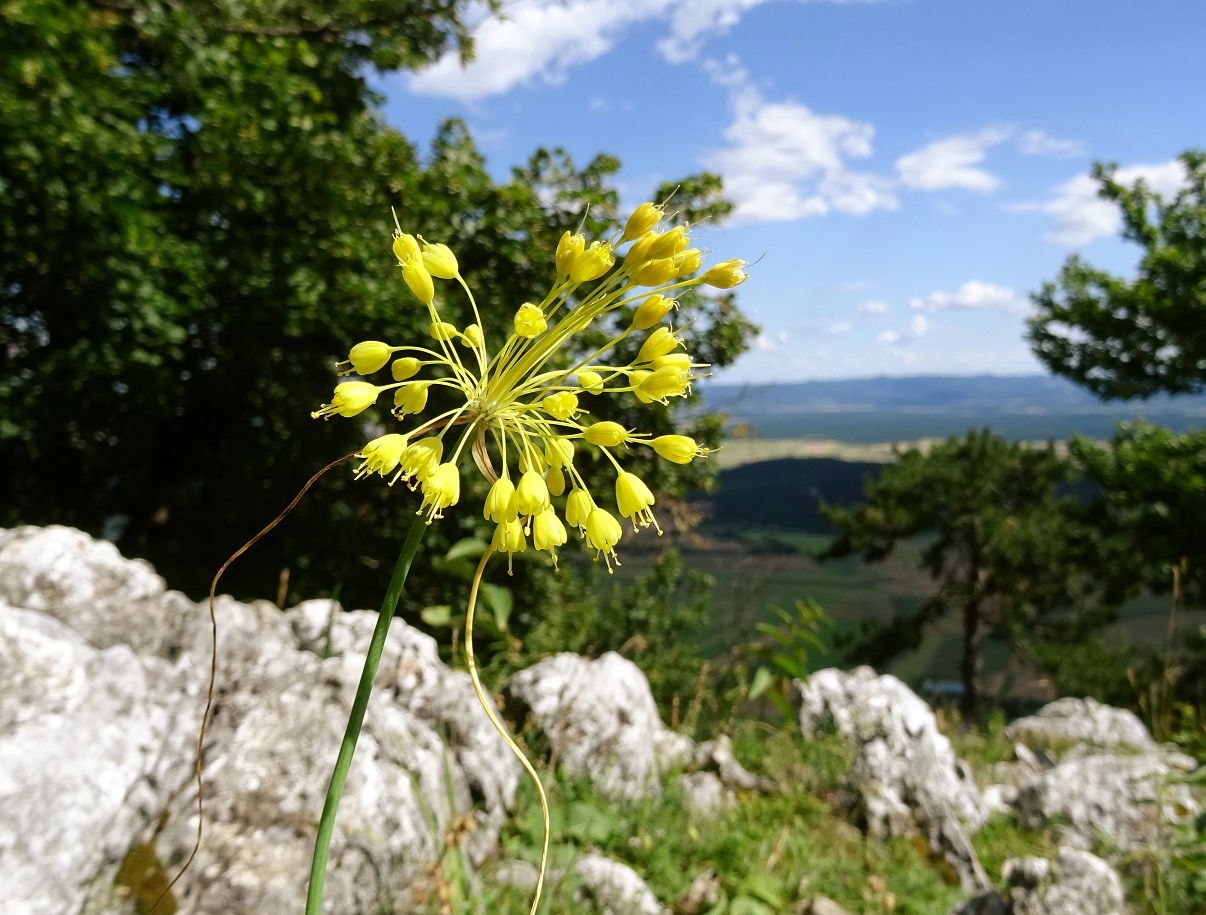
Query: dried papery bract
[{"x": 517, "y": 412}]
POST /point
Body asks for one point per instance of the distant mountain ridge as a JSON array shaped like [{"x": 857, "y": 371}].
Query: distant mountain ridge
[{"x": 975, "y": 393}]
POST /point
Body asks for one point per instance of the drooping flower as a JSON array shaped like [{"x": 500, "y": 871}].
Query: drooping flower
[{"x": 518, "y": 411}]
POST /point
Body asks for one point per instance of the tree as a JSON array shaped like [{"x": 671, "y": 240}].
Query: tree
[
  {"x": 999, "y": 538},
  {"x": 1150, "y": 509},
  {"x": 195, "y": 220},
  {"x": 1125, "y": 338}
]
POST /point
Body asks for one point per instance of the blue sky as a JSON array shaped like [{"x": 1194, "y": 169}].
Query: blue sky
[{"x": 911, "y": 169}]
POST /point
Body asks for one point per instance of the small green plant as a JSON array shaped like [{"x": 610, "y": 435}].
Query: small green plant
[{"x": 785, "y": 651}]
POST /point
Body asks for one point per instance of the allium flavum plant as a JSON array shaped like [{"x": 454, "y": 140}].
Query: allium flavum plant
[{"x": 518, "y": 415}]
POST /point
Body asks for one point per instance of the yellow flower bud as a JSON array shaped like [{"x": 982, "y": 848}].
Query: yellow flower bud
[
  {"x": 679, "y": 449},
  {"x": 667, "y": 381},
  {"x": 559, "y": 452},
  {"x": 635, "y": 380},
  {"x": 592, "y": 263},
  {"x": 568, "y": 248},
  {"x": 651, "y": 311},
  {"x": 548, "y": 532},
  {"x": 659, "y": 343},
  {"x": 688, "y": 261},
  {"x": 531, "y": 458},
  {"x": 472, "y": 337},
  {"x": 406, "y": 248},
  {"x": 639, "y": 252},
  {"x": 605, "y": 434},
  {"x": 578, "y": 507},
  {"x": 591, "y": 382},
  {"x": 532, "y": 494},
  {"x": 669, "y": 243},
  {"x": 603, "y": 532},
  {"x": 500, "y": 502},
  {"x": 368, "y": 357},
  {"x": 421, "y": 458},
  {"x": 644, "y": 218},
  {"x": 381, "y": 455},
  {"x": 561, "y": 405},
  {"x": 681, "y": 361},
  {"x": 406, "y": 367},
  {"x": 508, "y": 538},
  {"x": 657, "y": 272},
  {"x": 441, "y": 489},
  {"x": 350, "y": 398},
  {"x": 529, "y": 321},
  {"x": 419, "y": 281},
  {"x": 442, "y": 330},
  {"x": 634, "y": 499},
  {"x": 726, "y": 274},
  {"x": 440, "y": 261},
  {"x": 411, "y": 398},
  {"x": 556, "y": 481}
]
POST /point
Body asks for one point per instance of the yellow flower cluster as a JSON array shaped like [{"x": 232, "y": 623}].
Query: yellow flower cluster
[{"x": 515, "y": 408}]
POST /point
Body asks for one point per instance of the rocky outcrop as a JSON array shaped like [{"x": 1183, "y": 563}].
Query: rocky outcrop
[
  {"x": 614, "y": 888},
  {"x": 1132, "y": 799},
  {"x": 905, "y": 772},
  {"x": 1081, "y": 721},
  {"x": 103, "y": 675},
  {"x": 1077, "y": 884},
  {"x": 601, "y": 721}
]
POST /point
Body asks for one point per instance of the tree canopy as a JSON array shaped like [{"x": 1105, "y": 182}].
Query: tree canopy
[
  {"x": 999, "y": 543},
  {"x": 195, "y": 224},
  {"x": 1127, "y": 338}
]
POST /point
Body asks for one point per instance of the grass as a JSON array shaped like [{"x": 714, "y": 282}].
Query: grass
[{"x": 774, "y": 852}]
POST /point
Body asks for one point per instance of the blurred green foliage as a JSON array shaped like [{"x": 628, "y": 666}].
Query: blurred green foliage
[{"x": 195, "y": 224}]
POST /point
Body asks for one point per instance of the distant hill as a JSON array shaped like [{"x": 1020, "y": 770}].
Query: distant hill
[
  {"x": 934, "y": 392},
  {"x": 1025, "y": 407}
]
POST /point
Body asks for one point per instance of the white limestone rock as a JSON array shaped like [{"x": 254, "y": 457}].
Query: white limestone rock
[
  {"x": 614, "y": 888},
  {"x": 1077, "y": 884},
  {"x": 1130, "y": 798},
  {"x": 704, "y": 794},
  {"x": 90, "y": 750},
  {"x": 601, "y": 721},
  {"x": 1082, "y": 721},
  {"x": 100, "y": 696},
  {"x": 905, "y": 770}
]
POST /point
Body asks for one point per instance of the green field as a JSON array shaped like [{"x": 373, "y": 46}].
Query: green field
[{"x": 762, "y": 569}]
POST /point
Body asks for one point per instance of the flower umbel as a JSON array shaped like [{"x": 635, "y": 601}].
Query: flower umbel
[{"x": 518, "y": 409}]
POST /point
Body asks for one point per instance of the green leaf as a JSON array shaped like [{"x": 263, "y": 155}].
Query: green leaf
[
  {"x": 763, "y": 679},
  {"x": 438, "y": 615},
  {"x": 748, "y": 905},
  {"x": 468, "y": 548},
  {"x": 500, "y": 601}
]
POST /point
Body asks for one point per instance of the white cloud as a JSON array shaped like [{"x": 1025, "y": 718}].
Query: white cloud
[
  {"x": 692, "y": 20},
  {"x": 841, "y": 327},
  {"x": 543, "y": 39},
  {"x": 1041, "y": 143},
  {"x": 952, "y": 162},
  {"x": 972, "y": 295},
  {"x": 786, "y": 162},
  {"x": 1079, "y": 216},
  {"x": 765, "y": 341},
  {"x": 888, "y": 337},
  {"x": 537, "y": 39},
  {"x": 873, "y": 308},
  {"x": 919, "y": 325}
]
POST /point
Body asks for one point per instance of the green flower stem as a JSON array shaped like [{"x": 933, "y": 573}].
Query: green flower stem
[{"x": 326, "y": 826}]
